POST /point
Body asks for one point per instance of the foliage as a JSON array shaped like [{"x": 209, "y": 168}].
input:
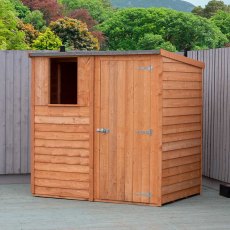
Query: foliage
[
  {"x": 50, "y": 8},
  {"x": 10, "y": 36},
  {"x": 222, "y": 20},
  {"x": 99, "y": 9},
  {"x": 21, "y": 9},
  {"x": 30, "y": 32},
  {"x": 47, "y": 41},
  {"x": 74, "y": 34},
  {"x": 176, "y": 5},
  {"x": 183, "y": 30},
  {"x": 36, "y": 19},
  {"x": 211, "y": 9},
  {"x": 84, "y": 16},
  {"x": 152, "y": 41}
]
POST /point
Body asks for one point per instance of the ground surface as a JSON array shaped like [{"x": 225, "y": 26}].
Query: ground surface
[{"x": 20, "y": 211}]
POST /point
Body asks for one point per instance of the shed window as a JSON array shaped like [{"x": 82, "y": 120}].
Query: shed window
[{"x": 63, "y": 81}]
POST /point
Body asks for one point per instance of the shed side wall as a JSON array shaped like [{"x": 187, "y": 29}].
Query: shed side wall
[
  {"x": 182, "y": 130},
  {"x": 61, "y": 137}
]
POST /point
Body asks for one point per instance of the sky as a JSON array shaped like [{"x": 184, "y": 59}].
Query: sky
[{"x": 204, "y": 2}]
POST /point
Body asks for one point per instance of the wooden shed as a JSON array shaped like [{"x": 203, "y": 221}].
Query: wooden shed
[{"x": 120, "y": 127}]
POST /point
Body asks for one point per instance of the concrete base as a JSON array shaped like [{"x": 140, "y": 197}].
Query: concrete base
[{"x": 15, "y": 179}]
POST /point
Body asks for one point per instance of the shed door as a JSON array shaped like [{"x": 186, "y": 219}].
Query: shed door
[{"x": 123, "y": 132}]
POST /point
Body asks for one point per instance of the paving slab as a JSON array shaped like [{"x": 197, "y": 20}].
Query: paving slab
[{"x": 19, "y": 210}]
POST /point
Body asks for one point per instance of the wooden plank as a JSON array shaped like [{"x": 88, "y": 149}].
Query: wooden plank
[
  {"x": 25, "y": 115},
  {"x": 178, "y": 76},
  {"x": 42, "y": 69},
  {"x": 9, "y": 108},
  {"x": 103, "y": 113},
  {"x": 181, "y": 136},
  {"x": 180, "y": 67},
  {"x": 180, "y": 194},
  {"x": 169, "y": 112},
  {"x": 61, "y": 159},
  {"x": 96, "y": 121},
  {"x": 62, "y": 128},
  {"x": 62, "y": 120},
  {"x": 181, "y": 128},
  {"x": 112, "y": 108},
  {"x": 181, "y": 153},
  {"x": 142, "y": 119},
  {"x": 177, "y": 103},
  {"x": 91, "y": 132},
  {"x": 181, "y": 161},
  {"x": 181, "y": 169},
  {"x": 62, "y": 152},
  {"x": 17, "y": 60},
  {"x": 181, "y": 144},
  {"x": 176, "y": 120},
  {"x": 172, "y": 93},
  {"x": 48, "y": 183},
  {"x": 62, "y": 144},
  {"x": 129, "y": 131},
  {"x": 59, "y": 192},
  {"x": 182, "y": 85},
  {"x": 180, "y": 178},
  {"x": 156, "y": 139},
  {"x": 32, "y": 129},
  {"x": 3, "y": 112},
  {"x": 64, "y": 176},
  {"x": 180, "y": 186},
  {"x": 85, "y": 74},
  {"x": 181, "y": 58},
  {"x": 120, "y": 130},
  {"x": 62, "y": 111},
  {"x": 62, "y": 168},
  {"x": 62, "y": 136}
]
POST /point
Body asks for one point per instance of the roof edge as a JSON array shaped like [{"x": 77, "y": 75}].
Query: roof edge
[
  {"x": 92, "y": 53},
  {"x": 181, "y": 58}
]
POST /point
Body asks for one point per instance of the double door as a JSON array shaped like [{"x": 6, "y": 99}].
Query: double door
[{"x": 123, "y": 130}]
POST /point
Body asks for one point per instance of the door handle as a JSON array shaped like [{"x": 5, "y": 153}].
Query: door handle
[{"x": 102, "y": 130}]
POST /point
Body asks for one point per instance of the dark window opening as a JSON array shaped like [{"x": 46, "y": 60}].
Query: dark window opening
[{"x": 63, "y": 81}]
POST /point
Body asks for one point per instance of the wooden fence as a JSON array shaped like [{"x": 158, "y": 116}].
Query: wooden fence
[
  {"x": 15, "y": 99},
  {"x": 14, "y": 112},
  {"x": 216, "y": 112}
]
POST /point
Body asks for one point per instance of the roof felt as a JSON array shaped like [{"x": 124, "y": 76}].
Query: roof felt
[{"x": 91, "y": 53}]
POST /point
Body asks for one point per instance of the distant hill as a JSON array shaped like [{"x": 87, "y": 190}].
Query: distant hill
[{"x": 173, "y": 4}]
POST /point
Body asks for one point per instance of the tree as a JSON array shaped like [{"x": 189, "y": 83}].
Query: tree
[
  {"x": 152, "y": 41},
  {"x": 36, "y": 19},
  {"x": 84, "y": 16},
  {"x": 31, "y": 33},
  {"x": 10, "y": 36},
  {"x": 99, "y": 9},
  {"x": 222, "y": 20},
  {"x": 74, "y": 34},
  {"x": 50, "y": 8},
  {"x": 183, "y": 30},
  {"x": 47, "y": 41},
  {"x": 21, "y": 9},
  {"x": 211, "y": 9}
]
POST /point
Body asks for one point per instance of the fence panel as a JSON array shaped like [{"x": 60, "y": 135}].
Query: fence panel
[
  {"x": 14, "y": 112},
  {"x": 216, "y": 112}
]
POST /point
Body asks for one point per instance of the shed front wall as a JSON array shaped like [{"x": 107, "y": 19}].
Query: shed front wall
[
  {"x": 60, "y": 135},
  {"x": 182, "y": 130}
]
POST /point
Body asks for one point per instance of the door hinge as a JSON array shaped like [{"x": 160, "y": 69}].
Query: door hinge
[
  {"x": 146, "y": 68},
  {"x": 145, "y": 132}
]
